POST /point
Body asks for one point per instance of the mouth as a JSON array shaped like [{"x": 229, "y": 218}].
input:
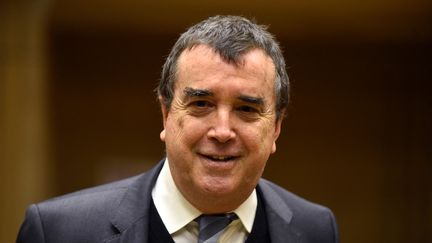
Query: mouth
[{"x": 220, "y": 158}]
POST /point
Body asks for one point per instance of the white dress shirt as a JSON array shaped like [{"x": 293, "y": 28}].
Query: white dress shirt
[{"x": 178, "y": 214}]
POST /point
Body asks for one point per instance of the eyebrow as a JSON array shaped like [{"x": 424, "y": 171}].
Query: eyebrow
[
  {"x": 191, "y": 92},
  {"x": 250, "y": 99}
]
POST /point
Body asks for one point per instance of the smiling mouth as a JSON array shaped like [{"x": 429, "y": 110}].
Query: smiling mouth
[{"x": 217, "y": 158}]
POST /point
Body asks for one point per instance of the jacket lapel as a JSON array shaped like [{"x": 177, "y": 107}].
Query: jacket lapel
[
  {"x": 279, "y": 216},
  {"x": 130, "y": 220}
]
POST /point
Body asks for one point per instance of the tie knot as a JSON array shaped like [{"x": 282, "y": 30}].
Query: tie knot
[{"x": 212, "y": 225}]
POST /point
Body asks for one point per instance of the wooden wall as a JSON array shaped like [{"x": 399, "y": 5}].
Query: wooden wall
[
  {"x": 356, "y": 138},
  {"x": 78, "y": 109}
]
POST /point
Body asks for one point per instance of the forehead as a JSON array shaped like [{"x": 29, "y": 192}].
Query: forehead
[{"x": 201, "y": 64}]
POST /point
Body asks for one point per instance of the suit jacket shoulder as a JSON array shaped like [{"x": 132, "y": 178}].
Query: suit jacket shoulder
[
  {"x": 119, "y": 212},
  {"x": 97, "y": 214}
]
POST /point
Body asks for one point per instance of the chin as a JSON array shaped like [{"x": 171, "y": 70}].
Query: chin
[
  {"x": 216, "y": 189},
  {"x": 217, "y": 186}
]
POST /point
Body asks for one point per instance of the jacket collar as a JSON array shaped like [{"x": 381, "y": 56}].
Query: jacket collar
[
  {"x": 279, "y": 215},
  {"x": 130, "y": 220}
]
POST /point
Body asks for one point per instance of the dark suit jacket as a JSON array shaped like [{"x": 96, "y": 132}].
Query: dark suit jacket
[{"x": 119, "y": 212}]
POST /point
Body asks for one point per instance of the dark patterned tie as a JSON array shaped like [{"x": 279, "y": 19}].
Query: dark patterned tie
[{"x": 212, "y": 226}]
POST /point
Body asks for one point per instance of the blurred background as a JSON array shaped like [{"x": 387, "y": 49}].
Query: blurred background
[{"x": 77, "y": 106}]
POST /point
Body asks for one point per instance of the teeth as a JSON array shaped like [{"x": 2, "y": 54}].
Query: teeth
[{"x": 219, "y": 157}]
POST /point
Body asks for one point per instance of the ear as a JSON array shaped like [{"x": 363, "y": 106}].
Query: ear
[
  {"x": 164, "y": 111},
  {"x": 277, "y": 131}
]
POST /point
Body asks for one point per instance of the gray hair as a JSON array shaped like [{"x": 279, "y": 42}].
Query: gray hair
[{"x": 230, "y": 37}]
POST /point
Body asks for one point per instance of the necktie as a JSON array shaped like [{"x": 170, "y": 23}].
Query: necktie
[{"x": 212, "y": 226}]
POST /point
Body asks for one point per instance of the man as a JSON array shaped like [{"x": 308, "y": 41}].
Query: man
[{"x": 223, "y": 95}]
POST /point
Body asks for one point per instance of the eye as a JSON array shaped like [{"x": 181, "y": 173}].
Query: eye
[
  {"x": 199, "y": 107},
  {"x": 248, "y": 109},
  {"x": 200, "y": 103}
]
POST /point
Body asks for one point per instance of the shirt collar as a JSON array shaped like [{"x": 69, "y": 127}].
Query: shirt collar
[
  {"x": 176, "y": 212},
  {"x": 247, "y": 210}
]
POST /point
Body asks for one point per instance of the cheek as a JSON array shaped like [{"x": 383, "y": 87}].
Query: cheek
[
  {"x": 259, "y": 137},
  {"x": 174, "y": 125},
  {"x": 180, "y": 121},
  {"x": 184, "y": 131}
]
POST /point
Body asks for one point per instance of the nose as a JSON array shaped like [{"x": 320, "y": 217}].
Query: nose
[{"x": 221, "y": 129}]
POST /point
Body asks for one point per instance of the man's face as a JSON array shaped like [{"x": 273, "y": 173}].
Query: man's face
[{"x": 221, "y": 127}]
